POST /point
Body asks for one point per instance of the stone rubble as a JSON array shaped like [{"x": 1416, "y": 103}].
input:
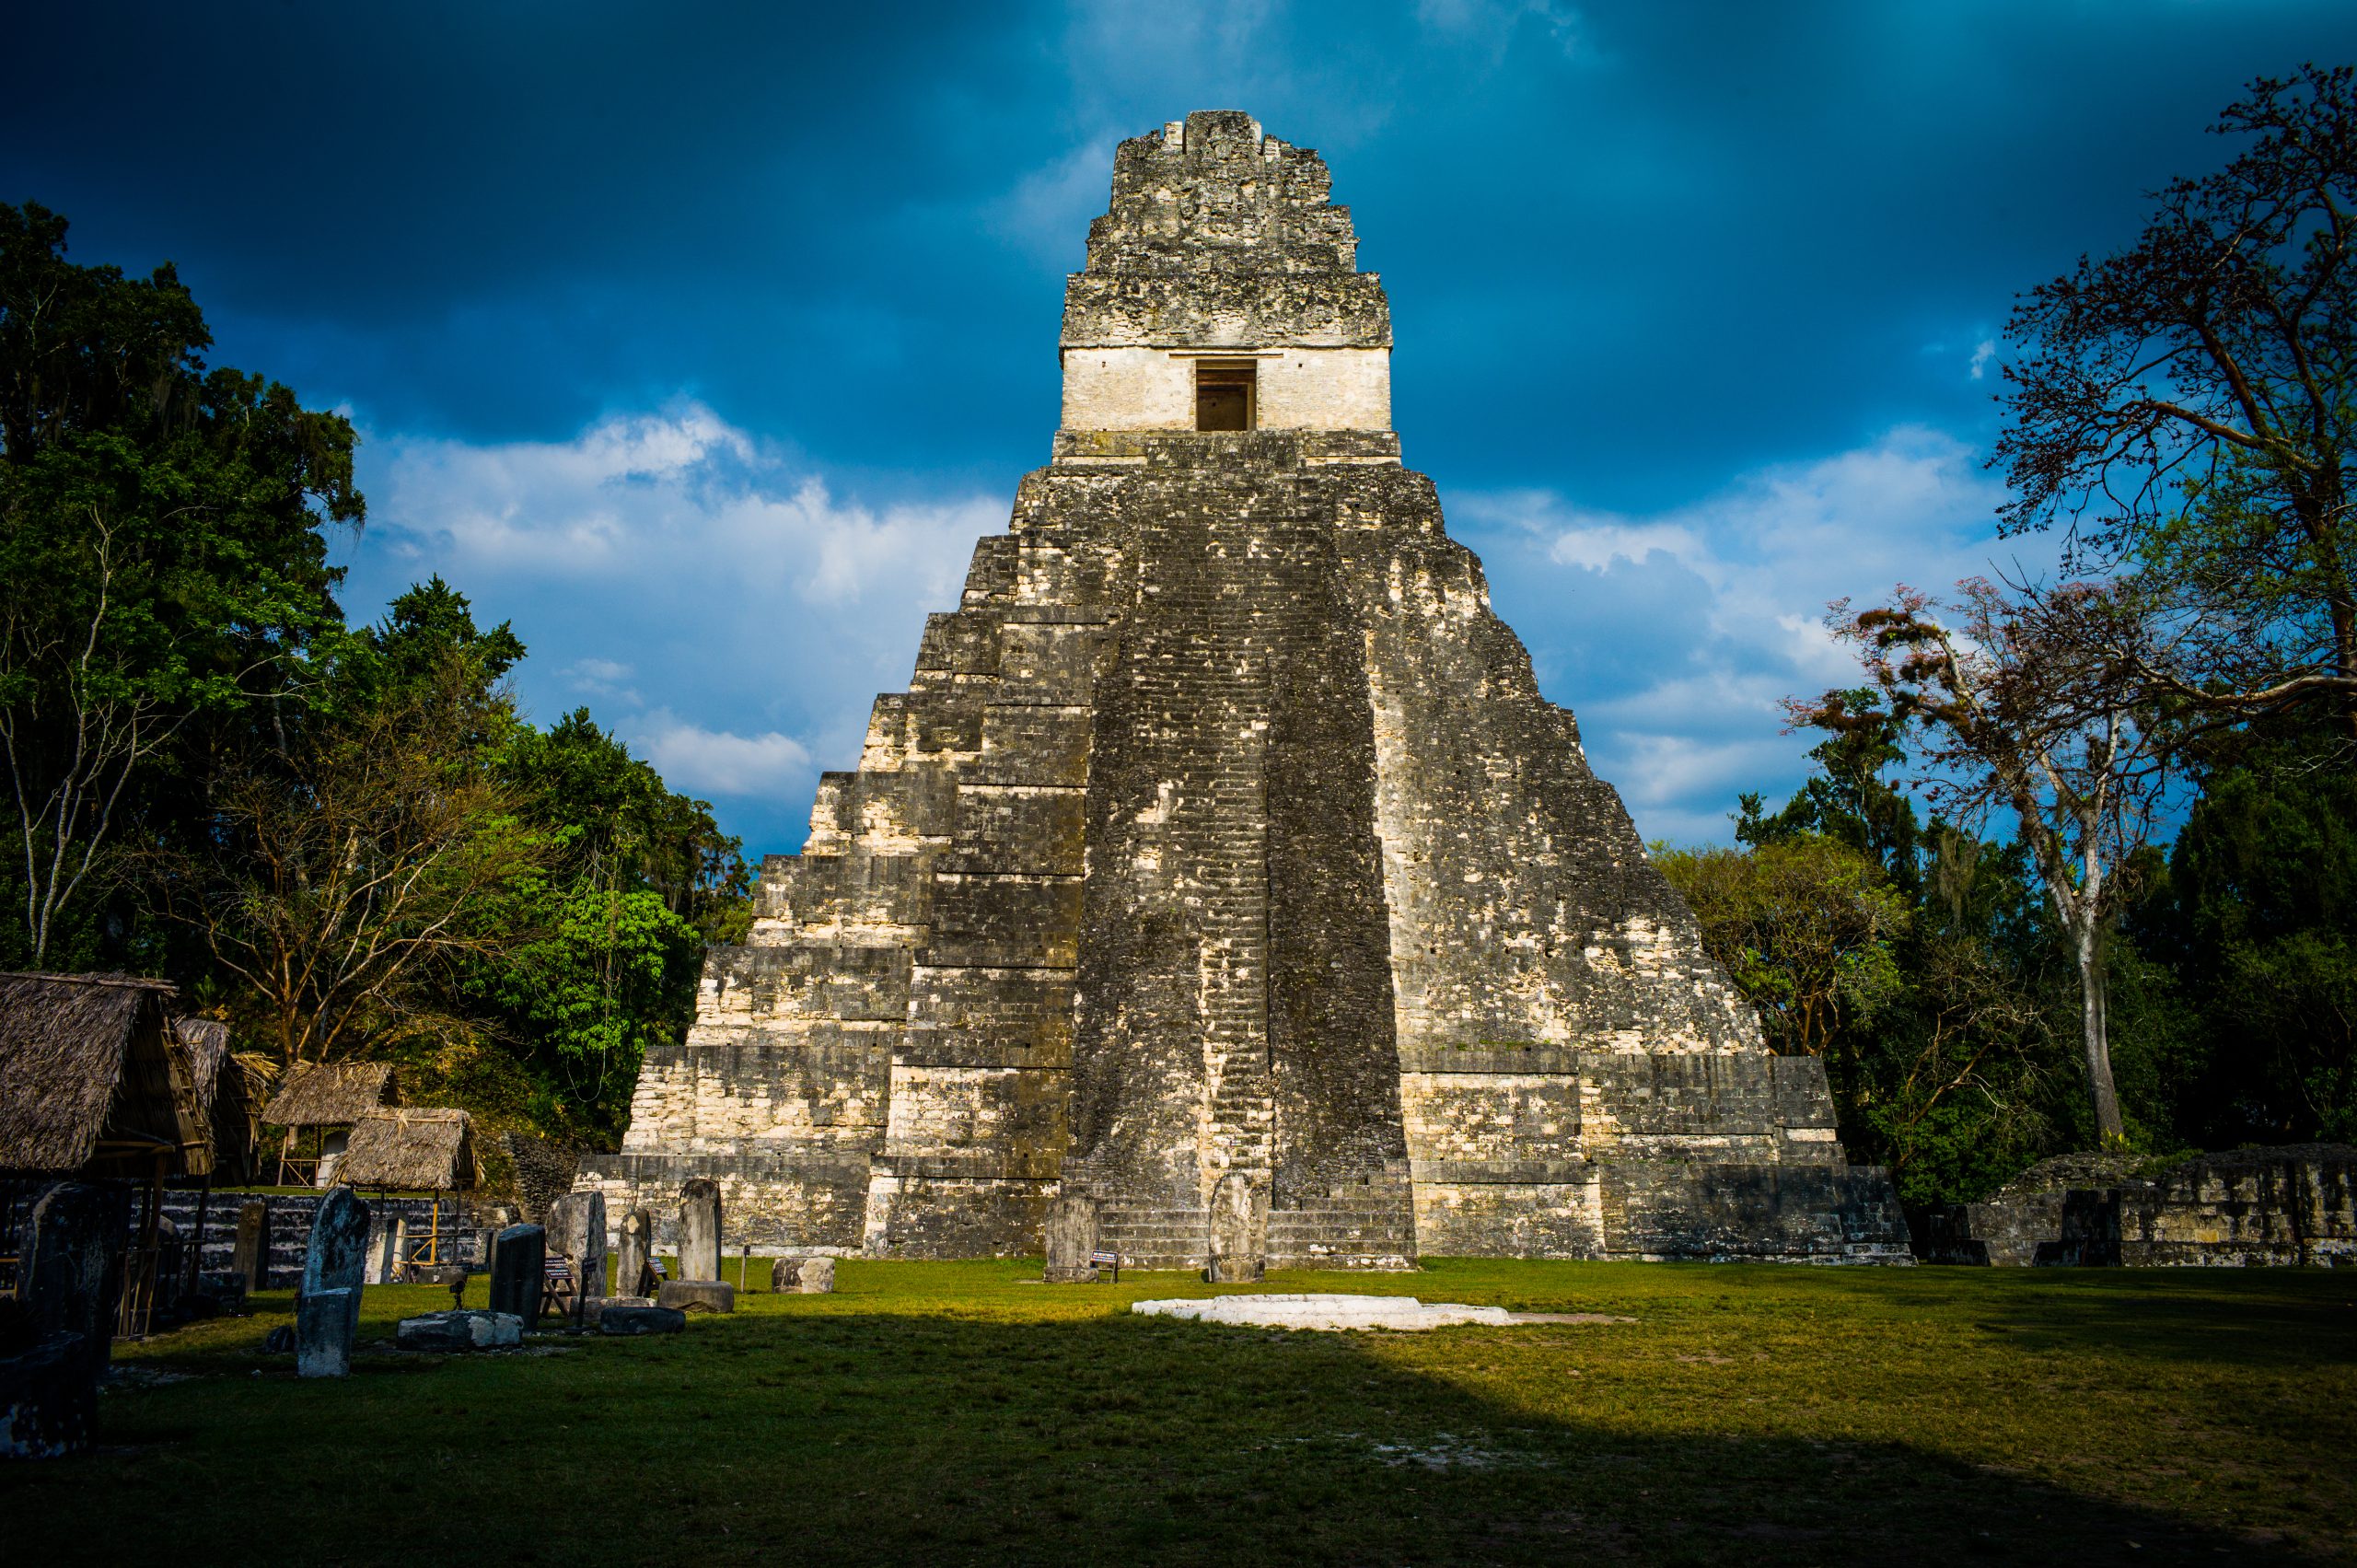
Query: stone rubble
[{"x": 459, "y": 1330}]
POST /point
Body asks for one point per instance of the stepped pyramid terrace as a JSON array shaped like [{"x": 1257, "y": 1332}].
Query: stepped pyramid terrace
[{"x": 1222, "y": 855}]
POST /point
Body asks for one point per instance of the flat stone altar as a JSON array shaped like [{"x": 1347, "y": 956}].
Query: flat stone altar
[
  {"x": 1404, "y": 1313},
  {"x": 1222, "y": 857}
]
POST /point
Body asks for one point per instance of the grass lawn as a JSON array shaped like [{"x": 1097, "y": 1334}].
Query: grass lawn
[{"x": 953, "y": 1412}]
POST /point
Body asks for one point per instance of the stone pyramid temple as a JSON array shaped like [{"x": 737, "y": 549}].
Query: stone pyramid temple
[{"x": 1222, "y": 854}]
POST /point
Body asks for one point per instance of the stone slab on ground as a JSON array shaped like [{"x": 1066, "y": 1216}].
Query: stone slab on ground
[
  {"x": 1325, "y": 1312},
  {"x": 698, "y": 1296},
  {"x": 616, "y": 1318},
  {"x": 594, "y": 1309},
  {"x": 463, "y": 1330}
]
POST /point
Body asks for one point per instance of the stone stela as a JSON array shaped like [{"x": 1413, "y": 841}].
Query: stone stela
[{"x": 1222, "y": 864}]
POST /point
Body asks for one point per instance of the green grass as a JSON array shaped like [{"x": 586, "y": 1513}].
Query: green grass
[{"x": 954, "y": 1413}]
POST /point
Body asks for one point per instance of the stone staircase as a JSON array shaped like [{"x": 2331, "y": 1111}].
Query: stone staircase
[
  {"x": 1243, "y": 1132},
  {"x": 1367, "y": 1224},
  {"x": 1154, "y": 1238}
]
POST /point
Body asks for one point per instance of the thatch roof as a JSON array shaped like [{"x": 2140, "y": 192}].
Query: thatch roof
[
  {"x": 432, "y": 1150},
  {"x": 91, "y": 1072},
  {"x": 331, "y": 1095},
  {"x": 207, "y": 1043},
  {"x": 244, "y": 1084}
]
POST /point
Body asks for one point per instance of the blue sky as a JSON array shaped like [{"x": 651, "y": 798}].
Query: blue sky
[{"x": 701, "y": 340}]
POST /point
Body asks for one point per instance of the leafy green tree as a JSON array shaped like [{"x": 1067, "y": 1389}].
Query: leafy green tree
[
  {"x": 2259, "y": 922},
  {"x": 622, "y": 827},
  {"x": 1848, "y": 799},
  {"x": 1804, "y": 924},
  {"x": 349, "y": 879},
  {"x": 160, "y": 555},
  {"x": 642, "y": 880}
]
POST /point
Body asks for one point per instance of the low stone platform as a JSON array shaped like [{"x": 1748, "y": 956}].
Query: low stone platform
[{"x": 1326, "y": 1313}]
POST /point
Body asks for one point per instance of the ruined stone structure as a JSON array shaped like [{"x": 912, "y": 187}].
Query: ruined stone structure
[
  {"x": 1222, "y": 832},
  {"x": 2284, "y": 1206}
]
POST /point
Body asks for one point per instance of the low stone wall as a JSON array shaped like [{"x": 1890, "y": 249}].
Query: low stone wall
[
  {"x": 2240, "y": 1208},
  {"x": 289, "y": 1229}
]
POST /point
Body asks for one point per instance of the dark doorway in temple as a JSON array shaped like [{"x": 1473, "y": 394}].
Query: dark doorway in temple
[{"x": 1224, "y": 396}]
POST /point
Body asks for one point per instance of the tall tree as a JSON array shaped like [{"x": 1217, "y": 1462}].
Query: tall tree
[
  {"x": 2187, "y": 409},
  {"x": 2013, "y": 722},
  {"x": 160, "y": 554},
  {"x": 353, "y": 872}
]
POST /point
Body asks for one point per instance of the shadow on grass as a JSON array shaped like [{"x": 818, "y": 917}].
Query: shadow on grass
[
  {"x": 2282, "y": 1319},
  {"x": 827, "y": 1433}
]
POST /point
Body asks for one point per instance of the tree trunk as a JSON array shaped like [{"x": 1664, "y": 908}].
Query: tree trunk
[{"x": 2108, "y": 1126}]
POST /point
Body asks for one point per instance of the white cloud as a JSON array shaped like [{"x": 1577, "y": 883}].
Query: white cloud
[
  {"x": 1049, "y": 210},
  {"x": 1982, "y": 353},
  {"x": 697, "y": 761},
  {"x": 602, "y": 678},
  {"x": 722, "y": 606},
  {"x": 1676, "y": 635}
]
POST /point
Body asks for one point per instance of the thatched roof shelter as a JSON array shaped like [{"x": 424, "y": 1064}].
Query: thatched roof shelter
[
  {"x": 230, "y": 1088},
  {"x": 417, "y": 1150},
  {"x": 207, "y": 1040},
  {"x": 95, "y": 1080},
  {"x": 332, "y": 1095}
]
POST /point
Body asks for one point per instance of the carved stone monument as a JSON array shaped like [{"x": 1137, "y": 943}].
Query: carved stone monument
[
  {"x": 326, "y": 1311},
  {"x": 633, "y": 1255},
  {"x": 1223, "y": 830},
  {"x": 700, "y": 1230},
  {"x": 576, "y": 1232},
  {"x": 1239, "y": 1224},
  {"x": 1071, "y": 1241},
  {"x": 251, "y": 1256},
  {"x": 72, "y": 1270},
  {"x": 802, "y": 1277},
  {"x": 53, "y": 1352},
  {"x": 516, "y": 1272}
]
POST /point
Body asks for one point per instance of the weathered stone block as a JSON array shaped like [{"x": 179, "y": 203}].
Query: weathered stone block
[
  {"x": 697, "y": 1295},
  {"x": 802, "y": 1277},
  {"x": 576, "y": 1231},
  {"x": 619, "y": 1318},
  {"x": 634, "y": 1255},
  {"x": 1071, "y": 1238},
  {"x": 73, "y": 1271},
  {"x": 251, "y": 1256},
  {"x": 518, "y": 1272},
  {"x": 700, "y": 1230},
  {"x": 326, "y": 1323}
]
